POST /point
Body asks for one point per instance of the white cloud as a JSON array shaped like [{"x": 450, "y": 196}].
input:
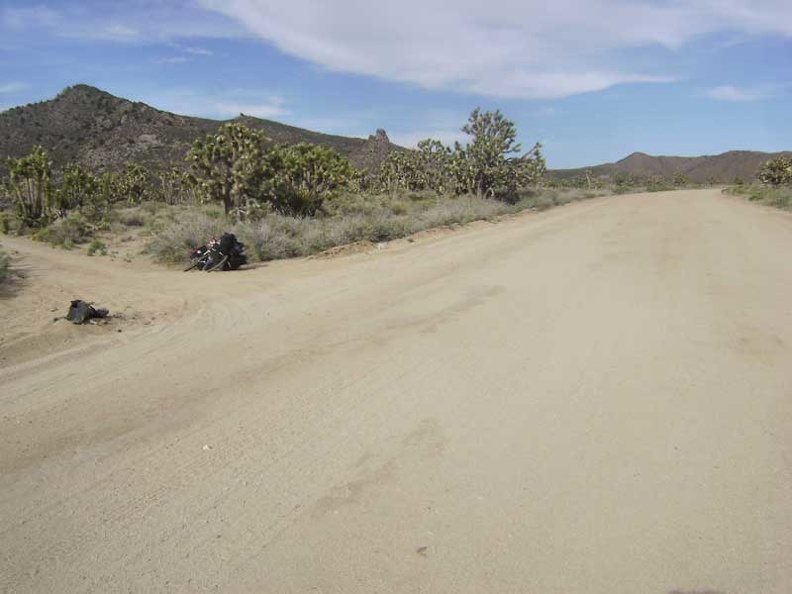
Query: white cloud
[
  {"x": 123, "y": 33},
  {"x": 199, "y": 51},
  {"x": 544, "y": 85},
  {"x": 139, "y": 21},
  {"x": 32, "y": 16},
  {"x": 411, "y": 139},
  {"x": 12, "y": 87},
  {"x": 228, "y": 103},
  {"x": 730, "y": 93},
  {"x": 174, "y": 60},
  {"x": 505, "y": 48},
  {"x": 272, "y": 109}
]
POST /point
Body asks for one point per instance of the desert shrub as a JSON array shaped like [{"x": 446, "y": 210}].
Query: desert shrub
[
  {"x": 461, "y": 210},
  {"x": 158, "y": 216},
  {"x": 97, "y": 246},
  {"x": 776, "y": 196},
  {"x": 133, "y": 185},
  {"x": 489, "y": 165},
  {"x": 348, "y": 230},
  {"x": 6, "y": 223},
  {"x": 228, "y": 166},
  {"x": 78, "y": 187},
  {"x": 386, "y": 228},
  {"x": 353, "y": 204},
  {"x": 174, "y": 186},
  {"x": 781, "y": 198},
  {"x": 5, "y": 268},
  {"x": 274, "y": 237},
  {"x": 66, "y": 232},
  {"x": 776, "y": 172},
  {"x": 353, "y": 218},
  {"x": 658, "y": 184},
  {"x": 133, "y": 217},
  {"x": 174, "y": 242},
  {"x": 31, "y": 188},
  {"x": 300, "y": 178}
]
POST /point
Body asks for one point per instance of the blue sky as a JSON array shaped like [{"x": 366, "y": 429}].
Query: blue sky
[{"x": 592, "y": 81}]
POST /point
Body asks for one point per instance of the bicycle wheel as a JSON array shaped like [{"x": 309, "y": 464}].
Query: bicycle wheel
[
  {"x": 218, "y": 265},
  {"x": 200, "y": 260}
]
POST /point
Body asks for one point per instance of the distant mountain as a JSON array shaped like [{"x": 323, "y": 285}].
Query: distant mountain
[
  {"x": 86, "y": 125},
  {"x": 724, "y": 168}
]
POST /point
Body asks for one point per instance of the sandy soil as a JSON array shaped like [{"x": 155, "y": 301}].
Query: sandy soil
[{"x": 596, "y": 399}]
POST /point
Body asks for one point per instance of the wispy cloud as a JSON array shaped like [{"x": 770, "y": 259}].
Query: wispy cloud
[
  {"x": 220, "y": 105},
  {"x": 192, "y": 50},
  {"x": 174, "y": 60},
  {"x": 731, "y": 93},
  {"x": 447, "y": 136},
  {"x": 31, "y": 16},
  {"x": 12, "y": 87},
  {"x": 198, "y": 51},
  {"x": 132, "y": 21},
  {"x": 119, "y": 33},
  {"x": 272, "y": 109},
  {"x": 506, "y": 48}
]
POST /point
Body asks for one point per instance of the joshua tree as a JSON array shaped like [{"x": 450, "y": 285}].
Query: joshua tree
[
  {"x": 228, "y": 165},
  {"x": 31, "y": 188}
]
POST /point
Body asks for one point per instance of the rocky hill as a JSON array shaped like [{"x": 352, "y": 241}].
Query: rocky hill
[
  {"x": 723, "y": 168},
  {"x": 86, "y": 125}
]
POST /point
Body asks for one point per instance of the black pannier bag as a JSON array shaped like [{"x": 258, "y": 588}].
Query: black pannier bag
[
  {"x": 81, "y": 312},
  {"x": 226, "y": 253}
]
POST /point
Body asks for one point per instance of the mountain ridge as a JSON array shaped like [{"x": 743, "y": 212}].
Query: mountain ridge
[
  {"x": 87, "y": 125},
  {"x": 728, "y": 167}
]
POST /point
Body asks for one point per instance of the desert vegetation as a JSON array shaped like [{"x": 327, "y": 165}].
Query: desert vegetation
[
  {"x": 5, "y": 269},
  {"x": 285, "y": 200},
  {"x": 773, "y": 186}
]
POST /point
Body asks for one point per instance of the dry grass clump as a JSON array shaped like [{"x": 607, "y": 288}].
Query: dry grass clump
[
  {"x": 67, "y": 232},
  {"x": 350, "y": 218},
  {"x": 775, "y": 196},
  {"x": 5, "y": 268},
  {"x": 175, "y": 241}
]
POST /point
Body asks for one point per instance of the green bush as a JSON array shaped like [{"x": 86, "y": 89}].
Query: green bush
[
  {"x": 776, "y": 196},
  {"x": 97, "y": 246},
  {"x": 176, "y": 240},
  {"x": 274, "y": 237},
  {"x": 776, "y": 172},
  {"x": 300, "y": 178},
  {"x": 489, "y": 165},
  {"x": 30, "y": 187},
  {"x": 5, "y": 223},
  {"x": 5, "y": 268},
  {"x": 357, "y": 217},
  {"x": 135, "y": 216},
  {"x": 66, "y": 232}
]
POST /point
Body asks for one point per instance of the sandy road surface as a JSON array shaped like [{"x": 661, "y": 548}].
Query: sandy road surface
[{"x": 597, "y": 399}]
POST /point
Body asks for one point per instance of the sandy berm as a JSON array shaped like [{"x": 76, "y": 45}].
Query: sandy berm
[{"x": 596, "y": 399}]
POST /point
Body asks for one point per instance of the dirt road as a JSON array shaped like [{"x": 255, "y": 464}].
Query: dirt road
[{"x": 596, "y": 399}]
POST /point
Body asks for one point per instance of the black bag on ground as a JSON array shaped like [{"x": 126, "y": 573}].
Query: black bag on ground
[
  {"x": 80, "y": 312},
  {"x": 234, "y": 249}
]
